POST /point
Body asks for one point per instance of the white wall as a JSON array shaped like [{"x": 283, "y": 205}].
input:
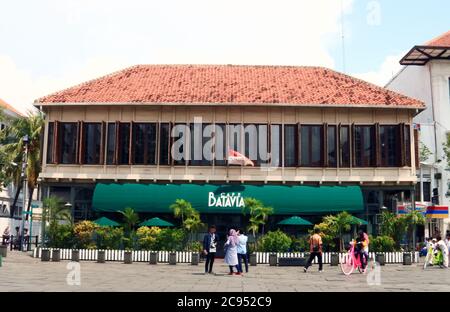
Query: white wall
[{"x": 430, "y": 84}]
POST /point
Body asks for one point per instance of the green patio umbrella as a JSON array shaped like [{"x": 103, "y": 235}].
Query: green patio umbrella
[
  {"x": 103, "y": 221},
  {"x": 358, "y": 221},
  {"x": 294, "y": 221},
  {"x": 156, "y": 222}
]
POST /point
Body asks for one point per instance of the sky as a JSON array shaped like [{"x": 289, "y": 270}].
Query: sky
[{"x": 49, "y": 45}]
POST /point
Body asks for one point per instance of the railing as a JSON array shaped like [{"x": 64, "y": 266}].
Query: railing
[
  {"x": 186, "y": 256},
  {"x": 14, "y": 242},
  {"x": 118, "y": 255},
  {"x": 390, "y": 257}
]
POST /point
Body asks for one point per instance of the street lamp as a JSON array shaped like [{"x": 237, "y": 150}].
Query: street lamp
[{"x": 25, "y": 141}]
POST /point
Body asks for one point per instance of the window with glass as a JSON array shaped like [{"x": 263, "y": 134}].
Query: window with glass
[
  {"x": 390, "y": 145},
  {"x": 234, "y": 133},
  {"x": 256, "y": 143},
  {"x": 220, "y": 145},
  {"x": 344, "y": 146},
  {"x": 364, "y": 141},
  {"x": 68, "y": 135},
  {"x": 407, "y": 135},
  {"x": 124, "y": 144},
  {"x": 199, "y": 156},
  {"x": 290, "y": 146},
  {"x": 311, "y": 146},
  {"x": 144, "y": 139},
  {"x": 275, "y": 159},
  {"x": 164, "y": 141},
  {"x": 92, "y": 140},
  {"x": 180, "y": 138},
  {"x": 111, "y": 144},
  {"x": 332, "y": 146},
  {"x": 50, "y": 143}
]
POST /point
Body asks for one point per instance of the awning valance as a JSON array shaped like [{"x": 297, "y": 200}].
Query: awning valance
[{"x": 229, "y": 198}]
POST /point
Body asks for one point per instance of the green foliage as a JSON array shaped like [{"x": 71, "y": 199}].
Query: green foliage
[
  {"x": 13, "y": 147},
  {"x": 333, "y": 227},
  {"x": 258, "y": 213},
  {"x": 84, "y": 234},
  {"x": 171, "y": 239},
  {"x": 147, "y": 237},
  {"x": 195, "y": 246},
  {"x": 108, "y": 238},
  {"x": 300, "y": 244},
  {"x": 60, "y": 236},
  {"x": 276, "y": 241},
  {"x": 130, "y": 220},
  {"x": 425, "y": 152},
  {"x": 382, "y": 244},
  {"x": 397, "y": 226}
]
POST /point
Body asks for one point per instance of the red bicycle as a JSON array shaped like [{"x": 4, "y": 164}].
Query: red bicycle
[{"x": 350, "y": 261}]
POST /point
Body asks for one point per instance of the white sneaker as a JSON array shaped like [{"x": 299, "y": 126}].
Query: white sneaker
[{"x": 320, "y": 271}]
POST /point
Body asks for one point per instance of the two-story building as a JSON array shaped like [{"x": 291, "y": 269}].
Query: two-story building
[
  {"x": 317, "y": 142},
  {"x": 426, "y": 76}
]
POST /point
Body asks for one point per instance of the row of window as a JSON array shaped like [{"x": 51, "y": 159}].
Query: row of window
[{"x": 294, "y": 145}]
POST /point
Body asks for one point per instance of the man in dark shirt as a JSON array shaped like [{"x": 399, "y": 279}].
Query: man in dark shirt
[{"x": 210, "y": 247}]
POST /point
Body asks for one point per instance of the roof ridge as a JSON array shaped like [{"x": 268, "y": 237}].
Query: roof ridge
[{"x": 441, "y": 36}]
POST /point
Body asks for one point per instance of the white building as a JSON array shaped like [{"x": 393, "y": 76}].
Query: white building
[
  {"x": 426, "y": 76},
  {"x": 7, "y": 194}
]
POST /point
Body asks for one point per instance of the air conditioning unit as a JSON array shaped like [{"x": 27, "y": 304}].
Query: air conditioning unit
[{"x": 438, "y": 176}]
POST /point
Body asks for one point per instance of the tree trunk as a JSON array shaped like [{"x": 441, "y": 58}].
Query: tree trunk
[{"x": 16, "y": 198}]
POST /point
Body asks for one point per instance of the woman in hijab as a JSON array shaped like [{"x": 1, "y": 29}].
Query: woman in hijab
[{"x": 231, "y": 257}]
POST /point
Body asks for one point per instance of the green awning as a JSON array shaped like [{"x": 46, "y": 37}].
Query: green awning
[
  {"x": 103, "y": 221},
  {"x": 228, "y": 198},
  {"x": 358, "y": 221},
  {"x": 295, "y": 220},
  {"x": 156, "y": 222}
]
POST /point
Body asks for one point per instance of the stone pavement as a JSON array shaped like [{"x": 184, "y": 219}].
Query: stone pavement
[{"x": 21, "y": 272}]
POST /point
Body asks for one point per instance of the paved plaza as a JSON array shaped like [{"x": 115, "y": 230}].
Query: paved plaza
[{"x": 21, "y": 272}]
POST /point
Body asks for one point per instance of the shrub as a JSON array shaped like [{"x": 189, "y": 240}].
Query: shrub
[
  {"x": 109, "y": 238},
  {"x": 382, "y": 243},
  {"x": 195, "y": 246},
  {"x": 147, "y": 237},
  {"x": 84, "y": 234},
  {"x": 60, "y": 235},
  {"x": 276, "y": 241},
  {"x": 171, "y": 239},
  {"x": 300, "y": 244}
]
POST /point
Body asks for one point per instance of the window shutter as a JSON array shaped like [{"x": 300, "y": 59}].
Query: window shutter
[
  {"x": 353, "y": 145},
  {"x": 80, "y": 140},
  {"x": 377, "y": 146},
  {"x": 130, "y": 146},
  {"x": 56, "y": 143},
  {"x": 325, "y": 161},
  {"x": 116, "y": 144},
  {"x": 102, "y": 143},
  {"x": 416, "y": 148},
  {"x": 401, "y": 147}
]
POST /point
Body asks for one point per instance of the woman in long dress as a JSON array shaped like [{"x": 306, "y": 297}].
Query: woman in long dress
[{"x": 231, "y": 257}]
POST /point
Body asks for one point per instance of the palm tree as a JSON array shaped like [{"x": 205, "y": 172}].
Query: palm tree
[
  {"x": 53, "y": 211},
  {"x": 263, "y": 213},
  {"x": 130, "y": 218},
  {"x": 13, "y": 135},
  {"x": 343, "y": 223},
  {"x": 182, "y": 209},
  {"x": 193, "y": 223}
]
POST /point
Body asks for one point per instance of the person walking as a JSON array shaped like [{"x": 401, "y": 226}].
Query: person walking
[
  {"x": 231, "y": 256},
  {"x": 209, "y": 248},
  {"x": 242, "y": 251},
  {"x": 444, "y": 249},
  {"x": 315, "y": 248}
]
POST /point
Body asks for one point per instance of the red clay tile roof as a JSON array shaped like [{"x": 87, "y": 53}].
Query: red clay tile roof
[
  {"x": 230, "y": 84},
  {"x": 9, "y": 107},
  {"x": 441, "y": 41}
]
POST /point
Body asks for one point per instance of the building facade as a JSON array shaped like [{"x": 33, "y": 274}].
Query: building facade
[
  {"x": 316, "y": 141},
  {"x": 7, "y": 193},
  {"x": 426, "y": 76}
]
